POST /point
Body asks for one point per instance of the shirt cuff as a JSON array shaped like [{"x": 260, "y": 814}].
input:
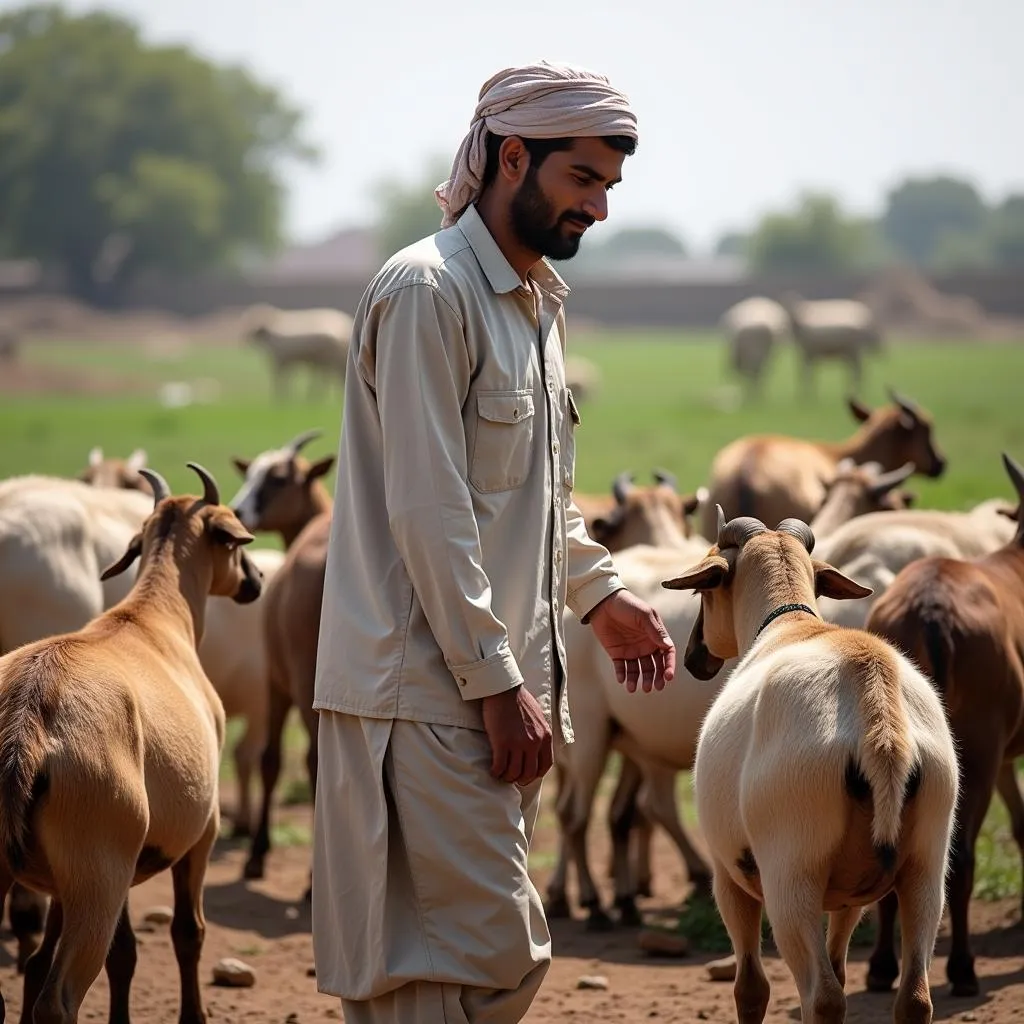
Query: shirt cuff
[
  {"x": 495, "y": 674},
  {"x": 583, "y": 601}
]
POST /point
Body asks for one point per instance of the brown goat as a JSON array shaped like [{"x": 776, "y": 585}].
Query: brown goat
[
  {"x": 121, "y": 473},
  {"x": 963, "y": 623},
  {"x": 110, "y": 739},
  {"x": 772, "y": 477},
  {"x": 282, "y": 492}
]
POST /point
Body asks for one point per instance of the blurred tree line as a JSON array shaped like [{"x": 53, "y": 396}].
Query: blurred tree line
[{"x": 117, "y": 156}]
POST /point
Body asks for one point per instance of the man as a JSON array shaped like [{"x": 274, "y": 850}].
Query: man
[{"x": 455, "y": 545}]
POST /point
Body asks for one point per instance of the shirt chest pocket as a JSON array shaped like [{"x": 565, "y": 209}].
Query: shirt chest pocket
[
  {"x": 571, "y": 421},
  {"x": 503, "y": 445}
]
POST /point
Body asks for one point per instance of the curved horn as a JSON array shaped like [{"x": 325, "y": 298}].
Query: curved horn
[
  {"x": 887, "y": 481},
  {"x": 903, "y": 402},
  {"x": 1016, "y": 475},
  {"x": 621, "y": 486},
  {"x": 736, "y": 532},
  {"x": 663, "y": 476},
  {"x": 799, "y": 529},
  {"x": 296, "y": 444},
  {"x": 720, "y": 512},
  {"x": 211, "y": 493},
  {"x": 158, "y": 483}
]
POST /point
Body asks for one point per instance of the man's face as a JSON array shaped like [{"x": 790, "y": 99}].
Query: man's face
[{"x": 558, "y": 201}]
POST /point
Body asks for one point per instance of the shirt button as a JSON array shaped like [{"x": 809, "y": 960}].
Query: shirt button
[
  {"x": 554, "y": 448},
  {"x": 462, "y": 680}
]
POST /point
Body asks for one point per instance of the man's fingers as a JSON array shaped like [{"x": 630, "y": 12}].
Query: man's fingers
[
  {"x": 499, "y": 760},
  {"x": 546, "y": 758},
  {"x": 531, "y": 767},
  {"x": 514, "y": 771},
  {"x": 632, "y": 670}
]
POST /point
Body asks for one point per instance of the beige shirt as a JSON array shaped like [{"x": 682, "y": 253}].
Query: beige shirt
[{"x": 455, "y": 543}]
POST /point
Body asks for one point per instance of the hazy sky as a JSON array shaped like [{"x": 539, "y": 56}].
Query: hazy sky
[{"x": 741, "y": 103}]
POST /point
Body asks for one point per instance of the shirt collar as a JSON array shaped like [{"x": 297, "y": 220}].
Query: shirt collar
[{"x": 497, "y": 269}]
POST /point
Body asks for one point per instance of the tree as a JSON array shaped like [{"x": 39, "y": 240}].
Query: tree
[
  {"x": 732, "y": 243},
  {"x": 116, "y": 156},
  {"x": 1007, "y": 232},
  {"x": 921, "y": 211},
  {"x": 816, "y": 236},
  {"x": 642, "y": 241},
  {"x": 407, "y": 212}
]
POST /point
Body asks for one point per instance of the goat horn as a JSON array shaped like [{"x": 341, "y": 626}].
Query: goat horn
[
  {"x": 296, "y": 444},
  {"x": 1016, "y": 474},
  {"x": 887, "y": 481},
  {"x": 663, "y": 476},
  {"x": 736, "y": 532},
  {"x": 903, "y": 402},
  {"x": 621, "y": 486},
  {"x": 211, "y": 493},
  {"x": 158, "y": 483},
  {"x": 799, "y": 529}
]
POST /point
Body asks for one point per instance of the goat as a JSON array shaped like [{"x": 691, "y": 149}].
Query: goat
[
  {"x": 316, "y": 338},
  {"x": 772, "y": 477},
  {"x": 753, "y": 328},
  {"x": 123, "y": 473},
  {"x": 963, "y": 622},
  {"x": 110, "y": 739},
  {"x": 831, "y": 329},
  {"x": 657, "y": 737},
  {"x": 282, "y": 492},
  {"x": 825, "y": 774},
  {"x": 582, "y": 377}
]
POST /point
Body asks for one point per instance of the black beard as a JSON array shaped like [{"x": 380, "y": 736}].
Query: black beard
[{"x": 535, "y": 224}]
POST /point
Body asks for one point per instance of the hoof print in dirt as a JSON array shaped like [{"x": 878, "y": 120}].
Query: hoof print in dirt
[{"x": 232, "y": 973}]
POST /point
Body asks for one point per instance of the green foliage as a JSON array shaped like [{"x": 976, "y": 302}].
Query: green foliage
[
  {"x": 117, "y": 156},
  {"x": 1007, "y": 232},
  {"x": 408, "y": 211},
  {"x": 919, "y": 212},
  {"x": 815, "y": 237}
]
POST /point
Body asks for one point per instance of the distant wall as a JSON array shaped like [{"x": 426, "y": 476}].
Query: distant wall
[{"x": 615, "y": 303}]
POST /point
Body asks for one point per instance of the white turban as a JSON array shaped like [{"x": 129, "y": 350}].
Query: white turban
[{"x": 536, "y": 101}]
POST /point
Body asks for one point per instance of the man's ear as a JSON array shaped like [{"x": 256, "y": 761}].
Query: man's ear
[{"x": 133, "y": 552}]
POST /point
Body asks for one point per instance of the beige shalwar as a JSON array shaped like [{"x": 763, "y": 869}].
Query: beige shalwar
[{"x": 454, "y": 546}]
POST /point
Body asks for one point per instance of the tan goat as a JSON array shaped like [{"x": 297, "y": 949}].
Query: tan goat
[
  {"x": 110, "y": 739},
  {"x": 283, "y": 492},
  {"x": 111, "y": 472},
  {"x": 825, "y": 774},
  {"x": 773, "y": 477},
  {"x": 963, "y": 622}
]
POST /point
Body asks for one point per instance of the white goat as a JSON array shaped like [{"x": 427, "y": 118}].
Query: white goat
[
  {"x": 753, "y": 327},
  {"x": 825, "y": 774},
  {"x": 110, "y": 738},
  {"x": 316, "y": 338},
  {"x": 832, "y": 329}
]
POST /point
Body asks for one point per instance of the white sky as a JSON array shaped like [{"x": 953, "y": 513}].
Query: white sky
[{"x": 741, "y": 103}]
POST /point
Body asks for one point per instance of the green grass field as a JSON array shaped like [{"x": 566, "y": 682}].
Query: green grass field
[{"x": 665, "y": 402}]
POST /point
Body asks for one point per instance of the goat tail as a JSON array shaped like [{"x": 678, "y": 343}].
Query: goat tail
[
  {"x": 23, "y": 776},
  {"x": 886, "y": 752}
]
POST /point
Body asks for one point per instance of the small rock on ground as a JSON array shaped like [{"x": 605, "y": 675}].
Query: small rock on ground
[
  {"x": 722, "y": 970},
  {"x": 233, "y": 973},
  {"x": 158, "y": 915},
  {"x": 659, "y": 942},
  {"x": 598, "y": 981}
]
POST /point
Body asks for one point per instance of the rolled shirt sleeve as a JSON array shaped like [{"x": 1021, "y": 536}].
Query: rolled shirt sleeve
[{"x": 421, "y": 375}]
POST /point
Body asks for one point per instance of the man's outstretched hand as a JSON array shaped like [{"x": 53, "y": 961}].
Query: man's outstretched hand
[{"x": 632, "y": 633}]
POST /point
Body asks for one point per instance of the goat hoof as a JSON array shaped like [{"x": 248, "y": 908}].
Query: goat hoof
[
  {"x": 599, "y": 921},
  {"x": 880, "y": 982},
  {"x": 629, "y": 916},
  {"x": 965, "y": 987},
  {"x": 557, "y": 909},
  {"x": 253, "y": 869}
]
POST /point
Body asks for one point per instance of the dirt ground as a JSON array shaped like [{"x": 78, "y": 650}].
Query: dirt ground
[{"x": 267, "y": 925}]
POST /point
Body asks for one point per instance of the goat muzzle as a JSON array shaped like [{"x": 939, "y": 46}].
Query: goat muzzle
[{"x": 252, "y": 583}]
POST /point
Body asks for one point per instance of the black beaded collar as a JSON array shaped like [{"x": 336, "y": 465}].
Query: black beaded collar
[{"x": 784, "y": 609}]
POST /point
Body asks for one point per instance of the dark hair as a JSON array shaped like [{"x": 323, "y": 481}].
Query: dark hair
[{"x": 541, "y": 149}]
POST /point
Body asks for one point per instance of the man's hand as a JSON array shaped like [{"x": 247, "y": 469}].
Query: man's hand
[
  {"x": 632, "y": 633},
  {"x": 520, "y": 736}
]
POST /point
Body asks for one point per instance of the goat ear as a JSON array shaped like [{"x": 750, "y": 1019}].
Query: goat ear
[
  {"x": 133, "y": 552},
  {"x": 859, "y": 409},
  {"x": 698, "y": 660},
  {"x": 136, "y": 460},
  {"x": 320, "y": 468},
  {"x": 227, "y": 530},
  {"x": 690, "y": 504},
  {"x": 242, "y": 465},
  {"x": 95, "y": 455},
  {"x": 709, "y": 574},
  {"x": 909, "y": 498},
  {"x": 829, "y": 582}
]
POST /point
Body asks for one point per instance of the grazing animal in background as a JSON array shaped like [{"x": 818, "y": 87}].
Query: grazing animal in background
[
  {"x": 110, "y": 739},
  {"x": 842, "y": 330},
  {"x": 122, "y": 473},
  {"x": 963, "y": 622},
  {"x": 772, "y": 477},
  {"x": 315, "y": 338},
  {"x": 753, "y": 328},
  {"x": 825, "y": 775}
]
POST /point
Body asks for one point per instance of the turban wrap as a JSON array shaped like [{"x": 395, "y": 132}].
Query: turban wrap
[{"x": 536, "y": 101}]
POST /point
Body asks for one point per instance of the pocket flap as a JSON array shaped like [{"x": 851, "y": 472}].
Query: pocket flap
[
  {"x": 505, "y": 406},
  {"x": 573, "y": 411}
]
